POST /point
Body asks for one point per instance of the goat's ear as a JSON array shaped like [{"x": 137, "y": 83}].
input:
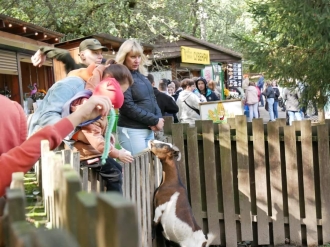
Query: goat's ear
[
  {"x": 176, "y": 153},
  {"x": 204, "y": 244}
]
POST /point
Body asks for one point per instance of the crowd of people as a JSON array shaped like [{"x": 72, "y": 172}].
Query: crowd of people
[
  {"x": 287, "y": 99},
  {"x": 74, "y": 112}
]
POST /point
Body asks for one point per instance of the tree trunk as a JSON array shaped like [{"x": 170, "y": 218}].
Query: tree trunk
[
  {"x": 321, "y": 115},
  {"x": 202, "y": 18}
]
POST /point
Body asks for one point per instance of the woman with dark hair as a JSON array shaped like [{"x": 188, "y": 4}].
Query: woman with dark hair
[
  {"x": 270, "y": 95},
  {"x": 140, "y": 115},
  {"x": 201, "y": 87}
]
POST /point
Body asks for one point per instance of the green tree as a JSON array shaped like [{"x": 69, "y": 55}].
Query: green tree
[
  {"x": 290, "y": 42},
  {"x": 212, "y": 20}
]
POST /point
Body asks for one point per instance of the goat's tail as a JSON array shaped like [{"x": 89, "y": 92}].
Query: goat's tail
[{"x": 210, "y": 238}]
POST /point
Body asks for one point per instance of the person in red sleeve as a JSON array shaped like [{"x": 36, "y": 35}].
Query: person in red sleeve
[{"x": 18, "y": 154}]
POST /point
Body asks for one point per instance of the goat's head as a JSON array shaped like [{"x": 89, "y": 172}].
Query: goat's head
[{"x": 164, "y": 150}]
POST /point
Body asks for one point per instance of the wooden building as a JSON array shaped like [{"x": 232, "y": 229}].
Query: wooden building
[
  {"x": 113, "y": 43},
  {"x": 19, "y": 40},
  {"x": 167, "y": 56}
]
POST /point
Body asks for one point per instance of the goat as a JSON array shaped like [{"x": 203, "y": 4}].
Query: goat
[{"x": 172, "y": 208}]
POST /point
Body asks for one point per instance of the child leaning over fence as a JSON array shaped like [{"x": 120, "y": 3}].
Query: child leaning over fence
[{"x": 89, "y": 139}]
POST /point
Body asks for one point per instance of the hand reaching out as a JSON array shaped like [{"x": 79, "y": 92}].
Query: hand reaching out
[
  {"x": 92, "y": 108},
  {"x": 38, "y": 59},
  {"x": 125, "y": 156}
]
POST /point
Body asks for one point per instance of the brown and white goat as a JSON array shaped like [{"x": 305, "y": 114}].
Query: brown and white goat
[{"x": 172, "y": 208}]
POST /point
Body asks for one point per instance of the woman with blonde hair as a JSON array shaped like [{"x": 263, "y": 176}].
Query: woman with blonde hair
[
  {"x": 212, "y": 85},
  {"x": 140, "y": 115}
]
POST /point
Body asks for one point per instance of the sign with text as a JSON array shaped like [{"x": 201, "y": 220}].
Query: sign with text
[
  {"x": 192, "y": 55},
  {"x": 235, "y": 76}
]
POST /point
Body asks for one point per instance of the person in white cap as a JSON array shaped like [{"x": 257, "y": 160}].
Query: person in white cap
[{"x": 90, "y": 51}]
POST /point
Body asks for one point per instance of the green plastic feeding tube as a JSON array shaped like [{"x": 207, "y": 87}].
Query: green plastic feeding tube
[{"x": 111, "y": 123}]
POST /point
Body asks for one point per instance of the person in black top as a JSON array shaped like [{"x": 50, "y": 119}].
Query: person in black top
[
  {"x": 270, "y": 95},
  {"x": 178, "y": 89},
  {"x": 276, "y": 95},
  {"x": 201, "y": 87},
  {"x": 140, "y": 115},
  {"x": 166, "y": 103},
  {"x": 90, "y": 51}
]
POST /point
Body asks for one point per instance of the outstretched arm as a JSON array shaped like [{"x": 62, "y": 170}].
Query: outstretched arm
[
  {"x": 62, "y": 55},
  {"x": 23, "y": 157}
]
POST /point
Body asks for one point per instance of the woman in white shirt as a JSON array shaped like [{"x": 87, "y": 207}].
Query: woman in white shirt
[{"x": 188, "y": 103}]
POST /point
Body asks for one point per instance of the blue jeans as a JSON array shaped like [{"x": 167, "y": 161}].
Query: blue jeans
[
  {"x": 253, "y": 112},
  {"x": 294, "y": 115},
  {"x": 261, "y": 98},
  {"x": 271, "y": 108},
  {"x": 276, "y": 109},
  {"x": 134, "y": 140}
]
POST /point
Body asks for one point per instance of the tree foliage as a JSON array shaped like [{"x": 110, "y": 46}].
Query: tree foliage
[
  {"x": 290, "y": 42},
  {"x": 142, "y": 19}
]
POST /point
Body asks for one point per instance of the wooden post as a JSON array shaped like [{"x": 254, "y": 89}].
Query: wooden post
[
  {"x": 138, "y": 194},
  {"x": 243, "y": 177},
  {"x": 168, "y": 125},
  {"x": 324, "y": 173},
  {"x": 227, "y": 185},
  {"x": 21, "y": 233},
  {"x": 260, "y": 181},
  {"x": 309, "y": 182},
  {"x": 194, "y": 175},
  {"x": 15, "y": 205},
  {"x": 45, "y": 173},
  {"x": 71, "y": 184},
  {"x": 116, "y": 221},
  {"x": 178, "y": 140},
  {"x": 149, "y": 198},
  {"x": 210, "y": 181},
  {"x": 53, "y": 238},
  {"x": 276, "y": 187},
  {"x": 292, "y": 184},
  {"x": 144, "y": 201},
  {"x": 86, "y": 219},
  {"x": 14, "y": 212}
]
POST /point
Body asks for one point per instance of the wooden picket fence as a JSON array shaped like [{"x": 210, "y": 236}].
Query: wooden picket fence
[
  {"x": 247, "y": 182},
  {"x": 77, "y": 218},
  {"x": 264, "y": 183}
]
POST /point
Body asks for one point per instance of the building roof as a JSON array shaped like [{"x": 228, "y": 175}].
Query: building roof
[
  {"x": 210, "y": 45},
  {"x": 108, "y": 40},
  {"x": 168, "y": 50},
  {"x": 28, "y": 30}
]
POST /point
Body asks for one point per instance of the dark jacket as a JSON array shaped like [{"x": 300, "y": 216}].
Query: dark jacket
[
  {"x": 165, "y": 103},
  {"x": 277, "y": 93},
  {"x": 140, "y": 109},
  {"x": 176, "y": 94},
  {"x": 209, "y": 94},
  {"x": 269, "y": 92}
]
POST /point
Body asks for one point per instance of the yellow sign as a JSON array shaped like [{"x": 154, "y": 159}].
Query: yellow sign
[{"x": 192, "y": 55}]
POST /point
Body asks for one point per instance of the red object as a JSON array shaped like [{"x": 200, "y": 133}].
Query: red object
[
  {"x": 16, "y": 154},
  {"x": 110, "y": 87}
]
